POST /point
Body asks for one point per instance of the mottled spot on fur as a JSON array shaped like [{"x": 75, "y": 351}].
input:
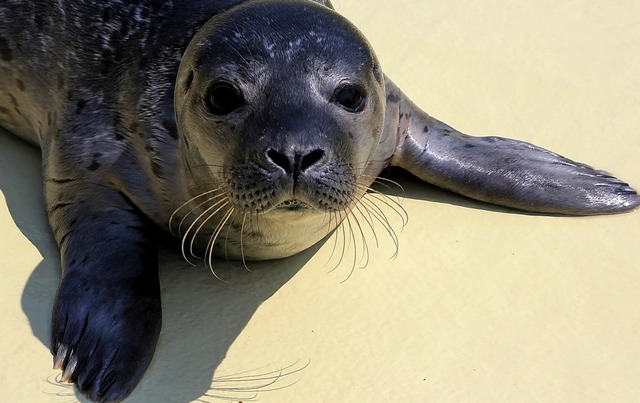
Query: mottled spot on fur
[
  {"x": 6, "y": 53},
  {"x": 80, "y": 105},
  {"x": 134, "y": 128},
  {"x": 40, "y": 22},
  {"x": 392, "y": 97},
  {"x": 170, "y": 125},
  {"x": 107, "y": 61},
  {"x": 94, "y": 163},
  {"x": 20, "y": 84},
  {"x": 4, "y": 110},
  {"x": 156, "y": 168},
  {"x": 94, "y": 166},
  {"x": 106, "y": 14}
]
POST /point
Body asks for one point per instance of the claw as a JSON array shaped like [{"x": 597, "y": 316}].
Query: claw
[
  {"x": 67, "y": 375},
  {"x": 60, "y": 357}
]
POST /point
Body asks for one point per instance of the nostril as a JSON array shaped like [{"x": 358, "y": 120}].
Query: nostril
[
  {"x": 296, "y": 163},
  {"x": 280, "y": 160},
  {"x": 311, "y": 159}
]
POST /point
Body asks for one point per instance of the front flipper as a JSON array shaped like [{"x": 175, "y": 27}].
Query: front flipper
[
  {"x": 107, "y": 316},
  {"x": 501, "y": 171}
]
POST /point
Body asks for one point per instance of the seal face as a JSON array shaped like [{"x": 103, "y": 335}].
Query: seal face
[
  {"x": 268, "y": 119},
  {"x": 295, "y": 152}
]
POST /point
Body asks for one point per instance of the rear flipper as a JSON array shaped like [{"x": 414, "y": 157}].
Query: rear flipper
[{"x": 502, "y": 171}]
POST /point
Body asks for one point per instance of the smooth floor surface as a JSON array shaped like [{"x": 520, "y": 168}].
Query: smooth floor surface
[{"x": 481, "y": 304}]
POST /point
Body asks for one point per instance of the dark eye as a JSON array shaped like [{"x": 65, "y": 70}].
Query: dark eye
[
  {"x": 350, "y": 97},
  {"x": 222, "y": 98}
]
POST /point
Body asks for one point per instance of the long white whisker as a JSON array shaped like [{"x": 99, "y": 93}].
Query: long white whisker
[
  {"x": 344, "y": 238},
  {"x": 392, "y": 204},
  {"x": 369, "y": 222},
  {"x": 379, "y": 215},
  {"x": 195, "y": 233},
  {"x": 244, "y": 217},
  {"x": 330, "y": 228},
  {"x": 197, "y": 207},
  {"x": 355, "y": 249},
  {"x": 212, "y": 241},
  {"x": 380, "y": 179},
  {"x": 184, "y": 205},
  {"x": 365, "y": 246}
]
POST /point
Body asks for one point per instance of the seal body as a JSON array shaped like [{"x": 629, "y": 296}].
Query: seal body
[{"x": 249, "y": 128}]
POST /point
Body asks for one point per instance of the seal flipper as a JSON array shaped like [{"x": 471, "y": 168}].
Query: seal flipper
[
  {"x": 107, "y": 315},
  {"x": 501, "y": 171}
]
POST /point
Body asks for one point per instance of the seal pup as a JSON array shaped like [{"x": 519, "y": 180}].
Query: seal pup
[{"x": 268, "y": 119}]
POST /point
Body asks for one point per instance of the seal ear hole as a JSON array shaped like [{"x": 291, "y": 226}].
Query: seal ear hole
[
  {"x": 350, "y": 97},
  {"x": 222, "y": 98}
]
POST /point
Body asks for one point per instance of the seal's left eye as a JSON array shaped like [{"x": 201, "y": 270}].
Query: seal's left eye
[
  {"x": 350, "y": 97},
  {"x": 223, "y": 98}
]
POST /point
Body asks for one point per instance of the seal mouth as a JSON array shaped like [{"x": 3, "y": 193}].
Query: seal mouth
[{"x": 293, "y": 205}]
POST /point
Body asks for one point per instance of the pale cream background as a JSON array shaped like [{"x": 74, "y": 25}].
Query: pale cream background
[{"x": 481, "y": 304}]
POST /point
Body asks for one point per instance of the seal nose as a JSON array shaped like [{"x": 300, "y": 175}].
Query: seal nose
[{"x": 295, "y": 162}]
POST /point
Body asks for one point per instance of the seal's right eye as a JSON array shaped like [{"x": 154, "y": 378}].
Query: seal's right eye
[{"x": 222, "y": 98}]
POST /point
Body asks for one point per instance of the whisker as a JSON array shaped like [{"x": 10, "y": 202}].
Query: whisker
[
  {"x": 184, "y": 205},
  {"x": 212, "y": 241},
  {"x": 365, "y": 246},
  {"x": 226, "y": 243},
  {"x": 193, "y": 238},
  {"x": 252, "y": 383},
  {"x": 344, "y": 237},
  {"x": 380, "y": 179},
  {"x": 389, "y": 201},
  {"x": 244, "y": 263},
  {"x": 330, "y": 228},
  {"x": 365, "y": 249},
  {"x": 197, "y": 207},
  {"x": 379, "y": 215},
  {"x": 392, "y": 204},
  {"x": 355, "y": 249},
  {"x": 370, "y": 223}
]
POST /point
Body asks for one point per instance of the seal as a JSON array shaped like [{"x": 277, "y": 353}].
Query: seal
[{"x": 251, "y": 128}]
